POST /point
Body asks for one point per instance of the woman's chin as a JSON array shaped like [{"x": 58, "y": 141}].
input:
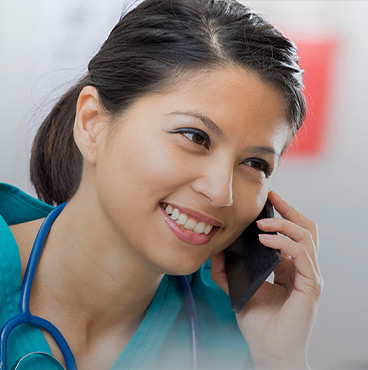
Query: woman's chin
[{"x": 184, "y": 268}]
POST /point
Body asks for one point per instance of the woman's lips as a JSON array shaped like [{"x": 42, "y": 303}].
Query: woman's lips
[
  {"x": 188, "y": 236},
  {"x": 197, "y": 215}
]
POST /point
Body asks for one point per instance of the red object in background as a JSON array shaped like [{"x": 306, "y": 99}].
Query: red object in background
[{"x": 317, "y": 60}]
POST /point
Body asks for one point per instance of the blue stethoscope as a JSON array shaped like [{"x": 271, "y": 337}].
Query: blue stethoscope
[{"x": 25, "y": 316}]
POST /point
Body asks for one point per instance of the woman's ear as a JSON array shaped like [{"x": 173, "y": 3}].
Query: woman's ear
[{"x": 89, "y": 121}]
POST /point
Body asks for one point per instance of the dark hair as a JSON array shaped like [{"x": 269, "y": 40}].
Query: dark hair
[{"x": 149, "y": 47}]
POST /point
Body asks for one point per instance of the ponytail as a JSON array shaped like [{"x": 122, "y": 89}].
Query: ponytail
[{"x": 56, "y": 163}]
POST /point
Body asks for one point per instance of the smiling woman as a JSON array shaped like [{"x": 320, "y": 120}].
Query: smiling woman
[
  {"x": 164, "y": 153},
  {"x": 212, "y": 169}
]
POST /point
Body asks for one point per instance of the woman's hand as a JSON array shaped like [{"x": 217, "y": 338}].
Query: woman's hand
[{"x": 277, "y": 321}]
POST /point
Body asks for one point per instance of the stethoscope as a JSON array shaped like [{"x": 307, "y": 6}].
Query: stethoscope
[{"x": 25, "y": 316}]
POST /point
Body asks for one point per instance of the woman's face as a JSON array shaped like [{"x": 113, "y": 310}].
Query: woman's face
[{"x": 206, "y": 147}]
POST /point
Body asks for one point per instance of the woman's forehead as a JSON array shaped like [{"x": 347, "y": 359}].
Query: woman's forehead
[
  {"x": 226, "y": 89},
  {"x": 229, "y": 103},
  {"x": 227, "y": 93}
]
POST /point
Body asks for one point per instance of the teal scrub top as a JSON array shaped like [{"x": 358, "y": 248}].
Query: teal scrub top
[{"x": 162, "y": 341}]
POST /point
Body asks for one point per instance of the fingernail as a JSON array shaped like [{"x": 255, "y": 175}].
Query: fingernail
[
  {"x": 275, "y": 194},
  {"x": 265, "y": 237},
  {"x": 265, "y": 221}
]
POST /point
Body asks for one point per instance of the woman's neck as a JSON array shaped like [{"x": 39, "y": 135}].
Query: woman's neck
[{"x": 89, "y": 276}]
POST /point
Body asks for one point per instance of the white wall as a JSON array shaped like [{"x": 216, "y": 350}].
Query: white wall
[
  {"x": 16, "y": 72},
  {"x": 45, "y": 46}
]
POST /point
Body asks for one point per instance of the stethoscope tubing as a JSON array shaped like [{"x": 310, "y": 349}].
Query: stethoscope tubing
[
  {"x": 35, "y": 256},
  {"x": 192, "y": 315},
  {"x": 25, "y": 316}
]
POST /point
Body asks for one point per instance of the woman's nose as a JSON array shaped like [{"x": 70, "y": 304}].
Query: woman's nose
[{"x": 216, "y": 185}]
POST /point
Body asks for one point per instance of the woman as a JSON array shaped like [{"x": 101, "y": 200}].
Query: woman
[{"x": 165, "y": 151}]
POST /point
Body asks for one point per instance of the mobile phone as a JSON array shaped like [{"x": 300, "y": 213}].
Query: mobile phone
[{"x": 248, "y": 262}]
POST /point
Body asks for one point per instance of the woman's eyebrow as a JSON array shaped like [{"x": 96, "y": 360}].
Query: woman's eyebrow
[
  {"x": 206, "y": 121},
  {"x": 263, "y": 150}
]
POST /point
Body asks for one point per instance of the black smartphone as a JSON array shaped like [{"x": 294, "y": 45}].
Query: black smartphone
[{"x": 248, "y": 262}]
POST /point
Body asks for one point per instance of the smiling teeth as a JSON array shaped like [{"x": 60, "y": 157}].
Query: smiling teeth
[
  {"x": 188, "y": 223},
  {"x": 182, "y": 219},
  {"x": 200, "y": 227},
  {"x": 169, "y": 209},
  {"x": 175, "y": 214}
]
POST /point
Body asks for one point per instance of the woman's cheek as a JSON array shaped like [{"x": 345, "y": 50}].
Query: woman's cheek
[
  {"x": 163, "y": 164},
  {"x": 262, "y": 196},
  {"x": 249, "y": 197}
]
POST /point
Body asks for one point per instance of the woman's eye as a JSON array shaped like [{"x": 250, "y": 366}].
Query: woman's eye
[
  {"x": 196, "y": 136},
  {"x": 259, "y": 165}
]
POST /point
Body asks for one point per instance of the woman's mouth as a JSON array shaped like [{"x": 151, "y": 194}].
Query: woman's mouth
[{"x": 187, "y": 227}]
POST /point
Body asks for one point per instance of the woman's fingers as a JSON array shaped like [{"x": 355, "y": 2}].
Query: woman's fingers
[
  {"x": 298, "y": 238},
  {"x": 289, "y": 213},
  {"x": 307, "y": 278},
  {"x": 293, "y": 231},
  {"x": 283, "y": 226}
]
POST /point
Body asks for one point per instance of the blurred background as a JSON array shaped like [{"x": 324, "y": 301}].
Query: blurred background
[{"x": 45, "y": 46}]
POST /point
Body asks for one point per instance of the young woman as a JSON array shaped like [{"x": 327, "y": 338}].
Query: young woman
[{"x": 164, "y": 153}]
